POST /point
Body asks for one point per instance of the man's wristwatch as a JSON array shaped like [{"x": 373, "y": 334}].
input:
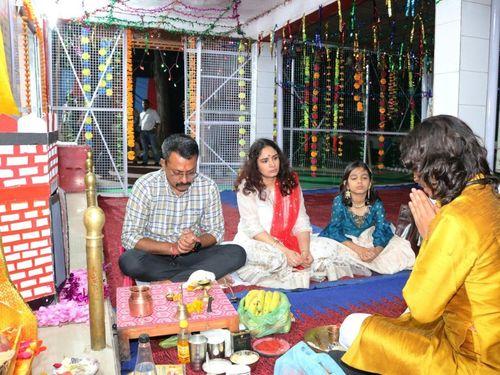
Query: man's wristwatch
[{"x": 197, "y": 246}]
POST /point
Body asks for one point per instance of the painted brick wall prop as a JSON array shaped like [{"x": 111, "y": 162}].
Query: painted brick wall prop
[{"x": 28, "y": 175}]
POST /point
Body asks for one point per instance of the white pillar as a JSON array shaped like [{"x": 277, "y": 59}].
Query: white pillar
[
  {"x": 463, "y": 34},
  {"x": 264, "y": 93}
]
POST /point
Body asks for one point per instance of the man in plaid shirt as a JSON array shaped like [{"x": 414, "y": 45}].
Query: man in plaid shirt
[{"x": 174, "y": 221}]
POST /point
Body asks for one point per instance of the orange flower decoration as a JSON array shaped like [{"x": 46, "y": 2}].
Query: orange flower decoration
[
  {"x": 383, "y": 81},
  {"x": 381, "y": 138},
  {"x": 314, "y": 154},
  {"x": 359, "y": 107},
  {"x": 381, "y": 110},
  {"x": 314, "y": 138},
  {"x": 357, "y": 76},
  {"x": 316, "y": 75},
  {"x": 357, "y": 85},
  {"x": 381, "y": 152},
  {"x": 356, "y": 98},
  {"x": 314, "y": 168},
  {"x": 315, "y": 107},
  {"x": 380, "y": 166}
]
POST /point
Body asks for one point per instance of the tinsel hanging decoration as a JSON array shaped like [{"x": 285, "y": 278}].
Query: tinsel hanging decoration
[
  {"x": 382, "y": 109},
  {"x": 307, "y": 72},
  {"x": 338, "y": 140},
  {"x": 242, "y": 119},
  {"x": 410, "y": 8},
  {"x": 26, "y": 62},
  {"x": 275, "y": 93},
  {"x": 130, "y": 99},
  {"x": 173, "y": 16}
]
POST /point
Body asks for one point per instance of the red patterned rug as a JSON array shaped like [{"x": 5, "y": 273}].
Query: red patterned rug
[{"x": 389, "y": 307}]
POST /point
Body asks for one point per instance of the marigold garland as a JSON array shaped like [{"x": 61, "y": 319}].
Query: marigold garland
[
  {"x": 130, "y": 99},
  {"x": 307, "y": 68},
  {"x": 30, "y": 15},
  {"x": 315, "y": 113},
  {"x": 382, "y": 109},
  {"x": 328, "y": 100},
  {"x": 27, "y": 76}
]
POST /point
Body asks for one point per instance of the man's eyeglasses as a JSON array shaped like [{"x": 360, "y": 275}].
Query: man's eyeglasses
[{"x": 178, "y": 175}]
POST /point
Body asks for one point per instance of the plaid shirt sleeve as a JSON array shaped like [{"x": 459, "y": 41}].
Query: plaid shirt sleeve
[
  {"x": 136, "y": 216},
  {"x": 212, "y": 221}
]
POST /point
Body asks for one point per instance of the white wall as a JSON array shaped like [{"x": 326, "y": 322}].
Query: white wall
[{"x": 461, "y": 62}]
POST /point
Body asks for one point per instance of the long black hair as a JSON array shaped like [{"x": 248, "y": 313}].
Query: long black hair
[
  {"x": 371, "y": 195},
  {"x": 253, "y": 178},
  {"x": 446, "y": 154}
]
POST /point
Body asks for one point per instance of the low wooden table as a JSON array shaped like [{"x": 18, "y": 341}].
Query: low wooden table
[{"x": 163, "y": 321}]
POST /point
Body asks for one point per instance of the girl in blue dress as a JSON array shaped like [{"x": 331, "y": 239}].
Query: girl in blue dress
[{"x": 359, "y": 226}]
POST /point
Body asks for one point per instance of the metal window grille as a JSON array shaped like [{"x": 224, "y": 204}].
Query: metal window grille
[
  {"x": 88, "y": 95},
  {"x": 214, "y": 70}
]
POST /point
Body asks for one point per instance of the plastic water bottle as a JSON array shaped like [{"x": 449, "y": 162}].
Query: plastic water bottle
[{"x": 145, "y": 364}]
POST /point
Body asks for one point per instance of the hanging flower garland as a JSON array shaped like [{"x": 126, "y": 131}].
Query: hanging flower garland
[
  {"x": 307, "y": 69},
  {"x": 105, "y": 70},
  {"x": 336, "y": 99},
  {"x": 86, "y": 81},
  {"x": 315, "y": 114},
  {"x": 130, "y": 99},
  {"x": 27, "y": 76},
  {"x": 411, "y": 92},
  {"x": 30, "y": 15},
  {"x": 393, "y": 107},
  {"x": 382, "y": 109},
  {"x": 328, "y": 100},
  {"x": 358, "y": 76},
  {"x": 275, "y": 93},
  {"x": 242, "y": 101},
  {"x": 191, "y": 43}
]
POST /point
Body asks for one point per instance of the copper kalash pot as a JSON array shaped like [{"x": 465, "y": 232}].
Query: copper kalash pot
[{"x": 140, "y": 301}]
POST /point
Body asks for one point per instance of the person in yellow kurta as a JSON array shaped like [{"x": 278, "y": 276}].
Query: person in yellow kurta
[{"x": 453, "y": 293}]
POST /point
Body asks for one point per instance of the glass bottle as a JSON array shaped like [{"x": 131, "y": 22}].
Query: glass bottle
[
  {"x": 183, "y": 343},
  {"x": 145, "y": 364}
]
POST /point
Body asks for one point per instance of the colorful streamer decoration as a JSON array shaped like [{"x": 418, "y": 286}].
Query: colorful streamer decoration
[
  {"x": 328, "y": 100},
  {"x": 358, "y": 76},
  {"x": 130, "y": 100},
  {"x": 411, "y": 93}
]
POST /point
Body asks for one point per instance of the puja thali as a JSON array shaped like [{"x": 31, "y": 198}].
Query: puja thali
[{"x": 323, "y": 338}]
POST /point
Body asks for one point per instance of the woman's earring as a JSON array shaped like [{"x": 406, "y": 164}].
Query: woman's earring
[{"x": 348, "y": 194}]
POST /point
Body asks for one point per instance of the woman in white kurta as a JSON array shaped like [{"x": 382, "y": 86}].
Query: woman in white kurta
[{"x": 274, "y": 228}]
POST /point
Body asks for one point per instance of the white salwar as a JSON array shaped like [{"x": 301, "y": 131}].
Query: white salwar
[
  {"x": 396, "y": 256},
  {"x": 267, "y": 266}
]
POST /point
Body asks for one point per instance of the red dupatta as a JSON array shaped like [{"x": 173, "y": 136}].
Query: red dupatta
[{"x": 285, "y": 214}]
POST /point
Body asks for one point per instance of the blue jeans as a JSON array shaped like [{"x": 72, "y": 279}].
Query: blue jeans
[{"x": 148, "y": 137}]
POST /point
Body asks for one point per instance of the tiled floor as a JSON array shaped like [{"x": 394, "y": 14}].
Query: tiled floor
[{"x": 73, "y": 340}]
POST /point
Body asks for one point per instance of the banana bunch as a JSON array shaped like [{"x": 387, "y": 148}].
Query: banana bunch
[{"x": 260, "y": 302}]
